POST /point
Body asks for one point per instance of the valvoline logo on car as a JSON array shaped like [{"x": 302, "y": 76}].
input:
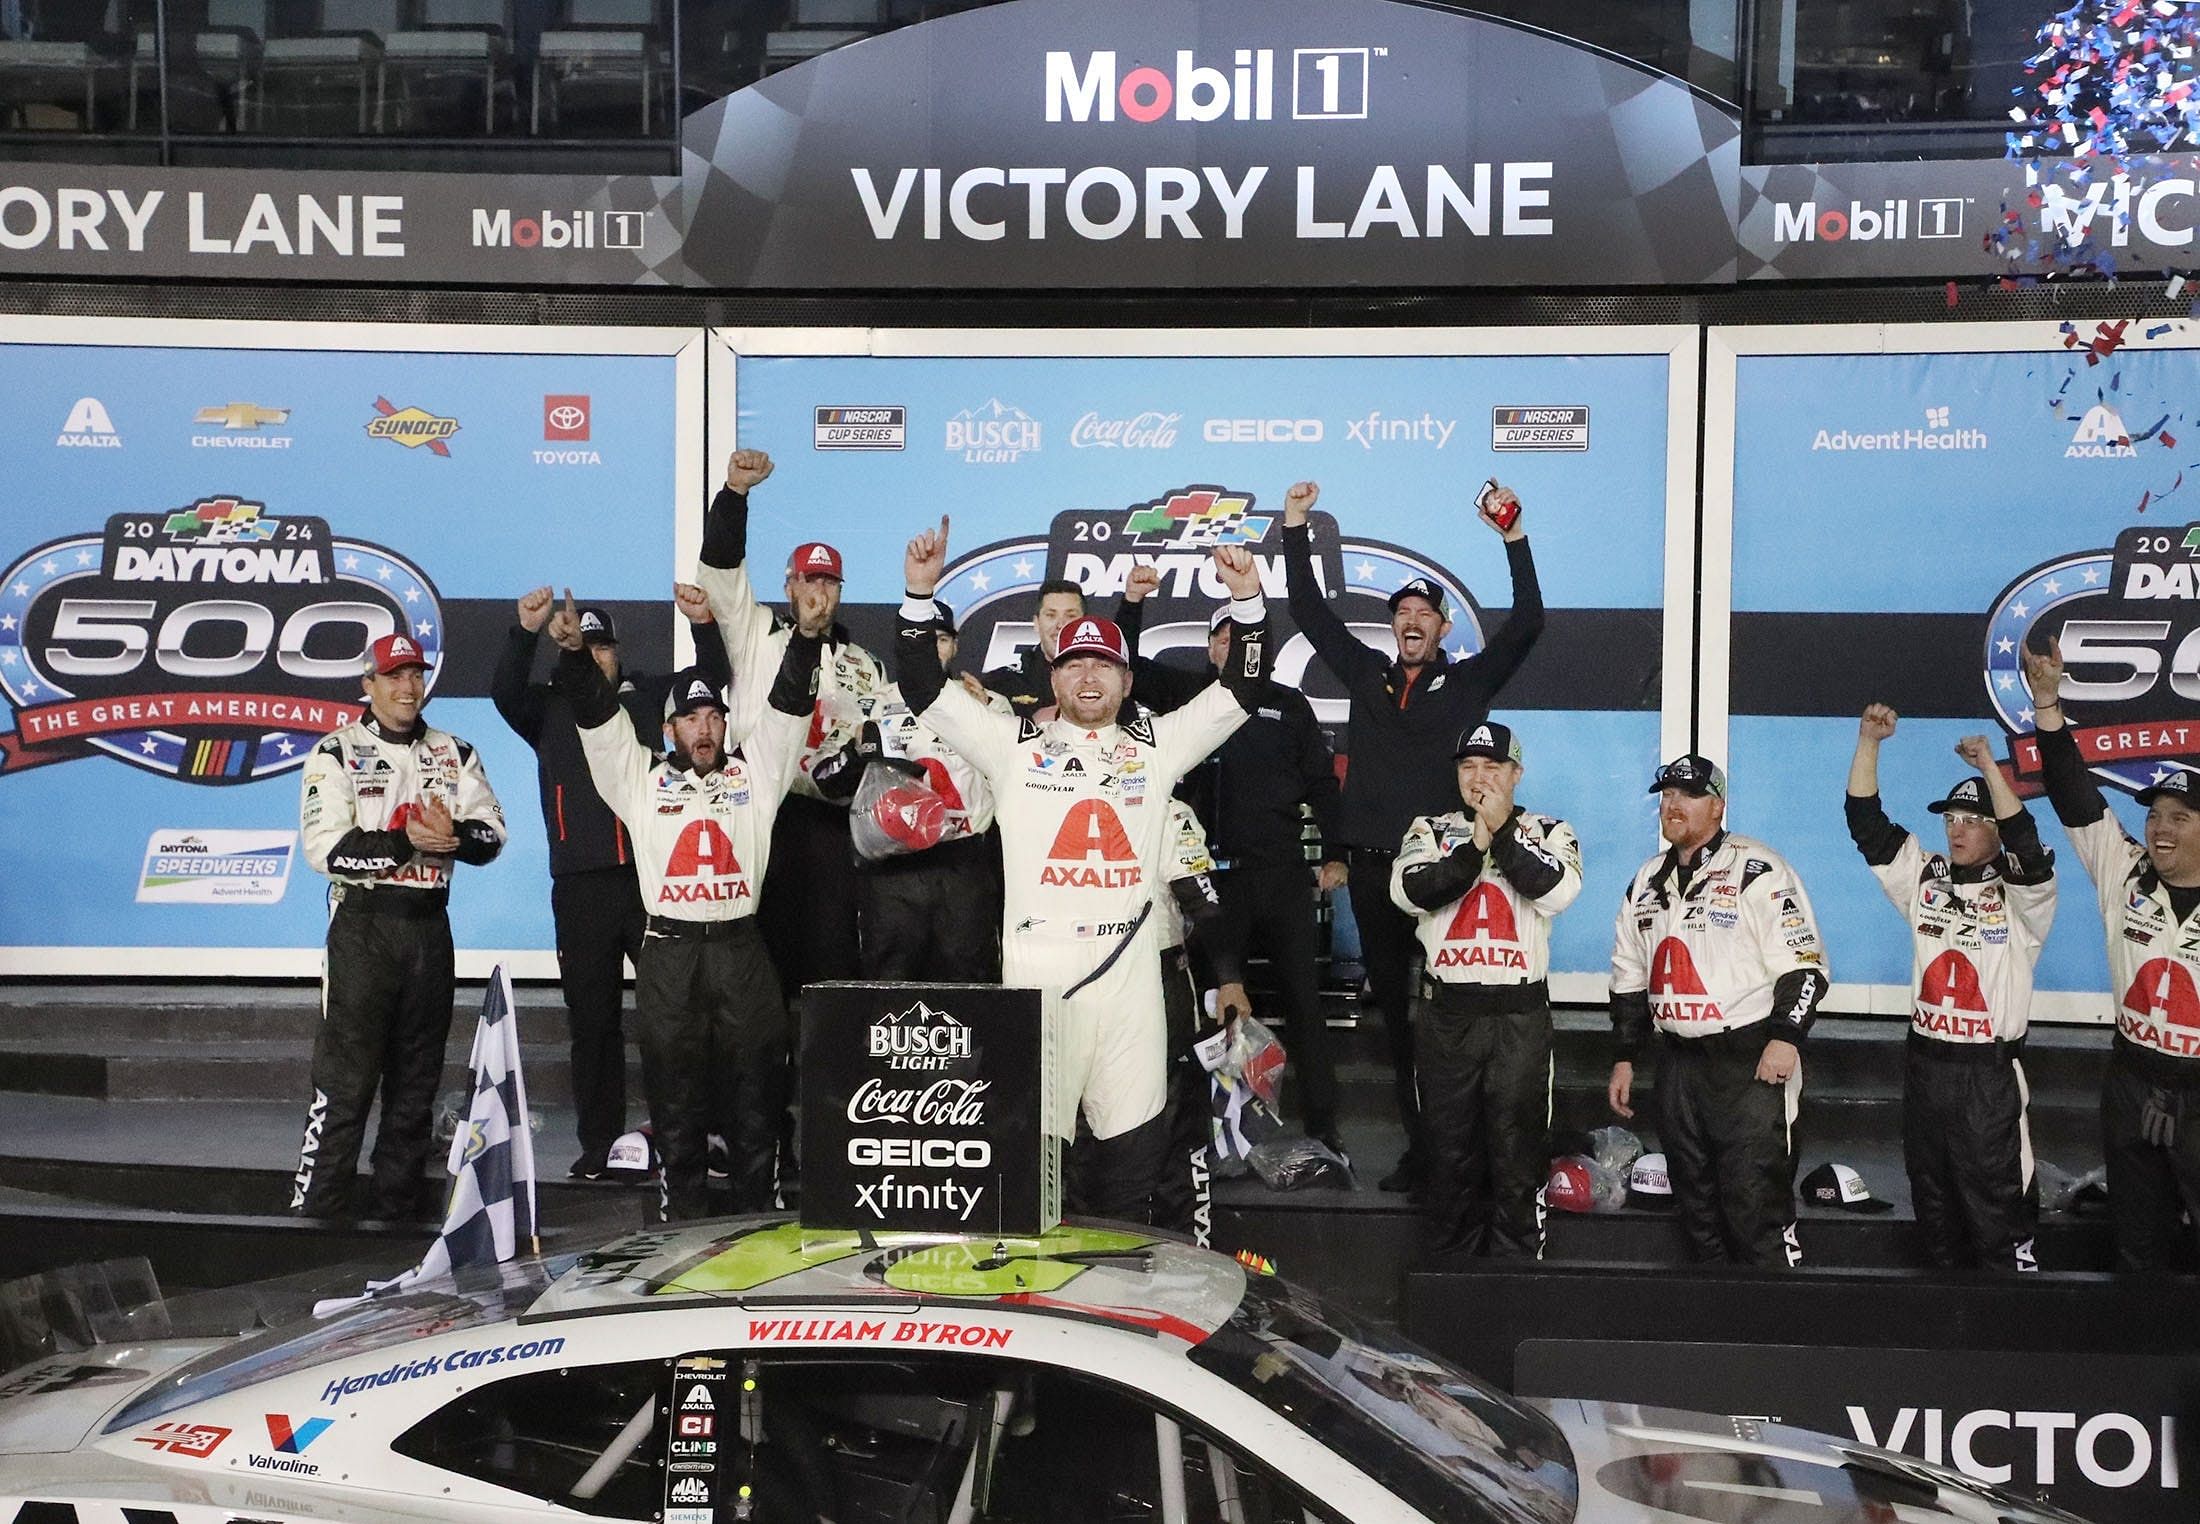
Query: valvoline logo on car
[{"x": 215, "y": 643}]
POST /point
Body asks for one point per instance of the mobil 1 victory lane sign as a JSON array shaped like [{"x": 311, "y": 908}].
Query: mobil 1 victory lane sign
[
  {"x": 921, "y": 1110},
  {"x": 214, "y": 642}
]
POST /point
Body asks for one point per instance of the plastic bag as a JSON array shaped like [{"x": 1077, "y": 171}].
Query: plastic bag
[
  {"x": 1615, "y": 1148},
  {"x": 1579, "y": 1183},
  {"x": 1248, "y": 1054},
  {"x": 895, "y": 812},
  {"x": 1293, "y": 1164}
]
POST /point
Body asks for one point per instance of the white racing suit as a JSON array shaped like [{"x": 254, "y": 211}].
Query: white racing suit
[
  {"x": 706, "y": 997},
  {"x": 1722, "y": 956},
  {"x": 1975, "y": 934},
  {"x": 1085, "y": 846},
  {"x": 1482, "y": 1056},
  {"x": 386, "y": 984}
]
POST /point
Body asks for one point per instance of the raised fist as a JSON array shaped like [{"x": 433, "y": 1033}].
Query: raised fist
[
  {"x": 746, "y": 468},
  {"x": 692, "y": 601},
  {"x": 1878, "y": 722},
  {"x": 1298, "y": 503},
  {"x": 1143, "y": 582},
  {"x": 1978, "y": 752},
  {"x": 534, "y": 609}
]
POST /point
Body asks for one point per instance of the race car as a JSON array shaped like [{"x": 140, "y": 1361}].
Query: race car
[{"x": 750, "y": 1369}]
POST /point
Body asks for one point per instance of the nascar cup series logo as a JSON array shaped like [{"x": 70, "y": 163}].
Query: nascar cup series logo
[
  {"x": 213, "y": 644},
  {"x": 2128, "y": 619}
]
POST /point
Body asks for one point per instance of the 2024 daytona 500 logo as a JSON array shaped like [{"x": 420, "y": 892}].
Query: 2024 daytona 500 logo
[
  {"x": 214, "y": 644},
  {"x": 2128, "y": 619}
]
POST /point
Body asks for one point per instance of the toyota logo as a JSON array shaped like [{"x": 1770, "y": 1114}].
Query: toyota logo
[{"x": 568, "y": 417}]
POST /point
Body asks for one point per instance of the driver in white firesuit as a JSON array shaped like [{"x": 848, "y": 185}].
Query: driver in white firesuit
[
  {"x": 389, "y": 805},
  {"x": 1483, "y": 884},
  {"x": 1717, "y": 949},
  {"x": 1082, "y": 802},
  {"x": 1977, "y": 915},
  {"x": 706, "y": 997},
  {"x": 2149, "y": 893}
]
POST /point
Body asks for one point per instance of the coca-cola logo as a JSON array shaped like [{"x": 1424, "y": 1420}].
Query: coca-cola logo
[
  {"x": 943, "y": 1103},
  {"x": 1145, "y": 431}
]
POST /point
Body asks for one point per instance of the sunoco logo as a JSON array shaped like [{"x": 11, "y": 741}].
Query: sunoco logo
[
  {"x": 411, "y": 427},
  {"x": 214, "y": 644},
  {"x": 920, "y": 1038}
]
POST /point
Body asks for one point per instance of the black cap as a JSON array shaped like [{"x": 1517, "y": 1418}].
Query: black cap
[
  {"x": 1419, "y": 587},
  {"x": 1969, "y": 796},
  {"x": 1488, "y": 739},
  {"x": 692, "y": 690},
  {"x": 1836, "y": 1185},
  {"x": 597, "y": 628},
  {"x": 945, "y": 614},
  {"x": 2182, "y": 785},
  {"x": 1691, "y": 773}
]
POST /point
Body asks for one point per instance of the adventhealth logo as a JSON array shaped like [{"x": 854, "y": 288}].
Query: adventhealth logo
[{"x": 1937, "y": 434}]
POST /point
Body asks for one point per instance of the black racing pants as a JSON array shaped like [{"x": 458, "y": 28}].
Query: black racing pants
[
  {"x": 2149, "y": 1185},
  {"x": 1183, "y": 1199},
  {"x": 599, "y": 920},
  {"x": 935, "y": 915},
  {"x": 1968, "y": 1148},
  {"x": 808, "y": 903},
  {"x": 1729, "y": 1147},
  {"x": 709, "y": 1010},
  {"x": 1270, "y": 910},
  {"x": 1388, "y": 948},
  {"x": 385, "y": 1019},
  {"x": 1484, "y": 1055}
]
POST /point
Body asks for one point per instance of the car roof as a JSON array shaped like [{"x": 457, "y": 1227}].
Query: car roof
[{"x": 1078, "y": 1271}]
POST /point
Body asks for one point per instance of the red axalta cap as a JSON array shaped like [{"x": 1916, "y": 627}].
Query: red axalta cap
[
  {"x": 912, "y": 815},
  {"x": 1571, "y": 1188},
  {"x": 393, "y": 653},
  {"x": 816, "y": 559},
  {"x": 1092, "y": 636}
]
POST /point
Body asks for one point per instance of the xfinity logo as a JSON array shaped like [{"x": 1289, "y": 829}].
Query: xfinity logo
[
  {"x": 1327, "y": 84},
  {"x": 1807, "y": 222}
]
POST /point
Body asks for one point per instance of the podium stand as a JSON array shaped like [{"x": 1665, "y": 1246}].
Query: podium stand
[{"x": 923, "y": 1110}]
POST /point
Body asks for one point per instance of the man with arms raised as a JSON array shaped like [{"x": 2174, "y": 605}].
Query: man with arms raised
[
  {"x": 1083, "y": 807},
  {"x": 1406, "y": 714},
  {"x": 1717, "y": 948},
  {"x": 705, "y": 995},
  {"x": 1977, "y": 915},
  {"x": 2150, "y": 1101}
]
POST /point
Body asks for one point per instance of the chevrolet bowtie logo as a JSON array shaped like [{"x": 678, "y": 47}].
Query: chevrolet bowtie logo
[{"x": 243, "y": 415}]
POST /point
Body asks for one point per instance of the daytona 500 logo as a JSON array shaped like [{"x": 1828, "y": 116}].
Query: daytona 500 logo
[
  {"x": 2128, "y": 619},
  {"x": 215, "y": 643}
]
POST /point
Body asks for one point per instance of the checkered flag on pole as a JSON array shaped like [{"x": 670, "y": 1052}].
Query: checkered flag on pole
[{"x": 492, "y": 1164}]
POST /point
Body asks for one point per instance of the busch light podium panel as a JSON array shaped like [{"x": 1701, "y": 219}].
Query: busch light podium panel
[{"x": 923, "y": 1110}]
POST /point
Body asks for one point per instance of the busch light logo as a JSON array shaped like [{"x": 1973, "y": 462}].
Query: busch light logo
[{"x": 920, "y": 1038}]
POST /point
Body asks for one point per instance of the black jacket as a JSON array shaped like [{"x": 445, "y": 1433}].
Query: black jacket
[
  {"x": 584, "y": 835},
  {"x": 1028, "y": 686},
  {"x": 1403, "y": 726},
  {"x": 1247, "y": 794}
]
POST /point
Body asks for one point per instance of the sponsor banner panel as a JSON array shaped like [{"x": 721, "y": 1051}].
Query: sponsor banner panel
[
  {"x": 1081, "y": 467},
  {"x": 2097, "y": 1434},
  {"x": 205, "y": 542},
  {"x": 1920, "y": 516}
]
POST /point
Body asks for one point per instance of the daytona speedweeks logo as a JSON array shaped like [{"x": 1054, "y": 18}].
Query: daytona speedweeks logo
[
  {"x": 213, "y": 643},
  {"x": 2129, "y": 622}
]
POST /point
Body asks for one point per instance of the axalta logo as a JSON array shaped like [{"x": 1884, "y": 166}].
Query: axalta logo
[
  {"x": 2100, "y": 435},
  {"x": 88, "y": 427},
  {"x": 1091, "y": 830},
  {"x": 239, "y": 424},
  {"x": 1938, "y": 433},
  {"x": 500, "y": 229},
  {"x": 411, "y": 427},
  {"x": 702, "y": 869},
  {"x": 1327, "y": 84},
  {"x": 1859, "y": 222},
  {"x": 995, "y": 434}
]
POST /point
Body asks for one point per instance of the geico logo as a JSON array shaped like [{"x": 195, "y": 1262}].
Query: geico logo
[
  {"x": 1194, "y": 92},
  {"x": 2108, "y": 1449},
  {"x": 1262, "y": 431},
  {"x": 920, "y": 1153}
]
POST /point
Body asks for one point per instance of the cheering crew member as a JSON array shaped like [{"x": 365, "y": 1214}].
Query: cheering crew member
[
  {"x": 935, "y": 912},
  {"x": 2150, "y": 1100},
  {"x": 1082, "y": 805},
  {"x": 595, "y": 900},
  {"x": 1978, "y": 914},
  {"x": 1406, "y": 713},
  {"x": 1248, "y": 796},
  {"x": 705, "y": 994},
  {"x": 1716, "y": 947},
  {"x": 389, "y": 805},
  {"x": 1183, "y": 1200},
  {"x": 1484, "y": 884},
  {"x": 809, "y": 910},
  {"x": 1027, "y": 683}
]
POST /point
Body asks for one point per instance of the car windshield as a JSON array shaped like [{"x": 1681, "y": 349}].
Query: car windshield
[
  {"x": 489, "y": 1294},
  {"x": 1446, "y": 1444}
]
